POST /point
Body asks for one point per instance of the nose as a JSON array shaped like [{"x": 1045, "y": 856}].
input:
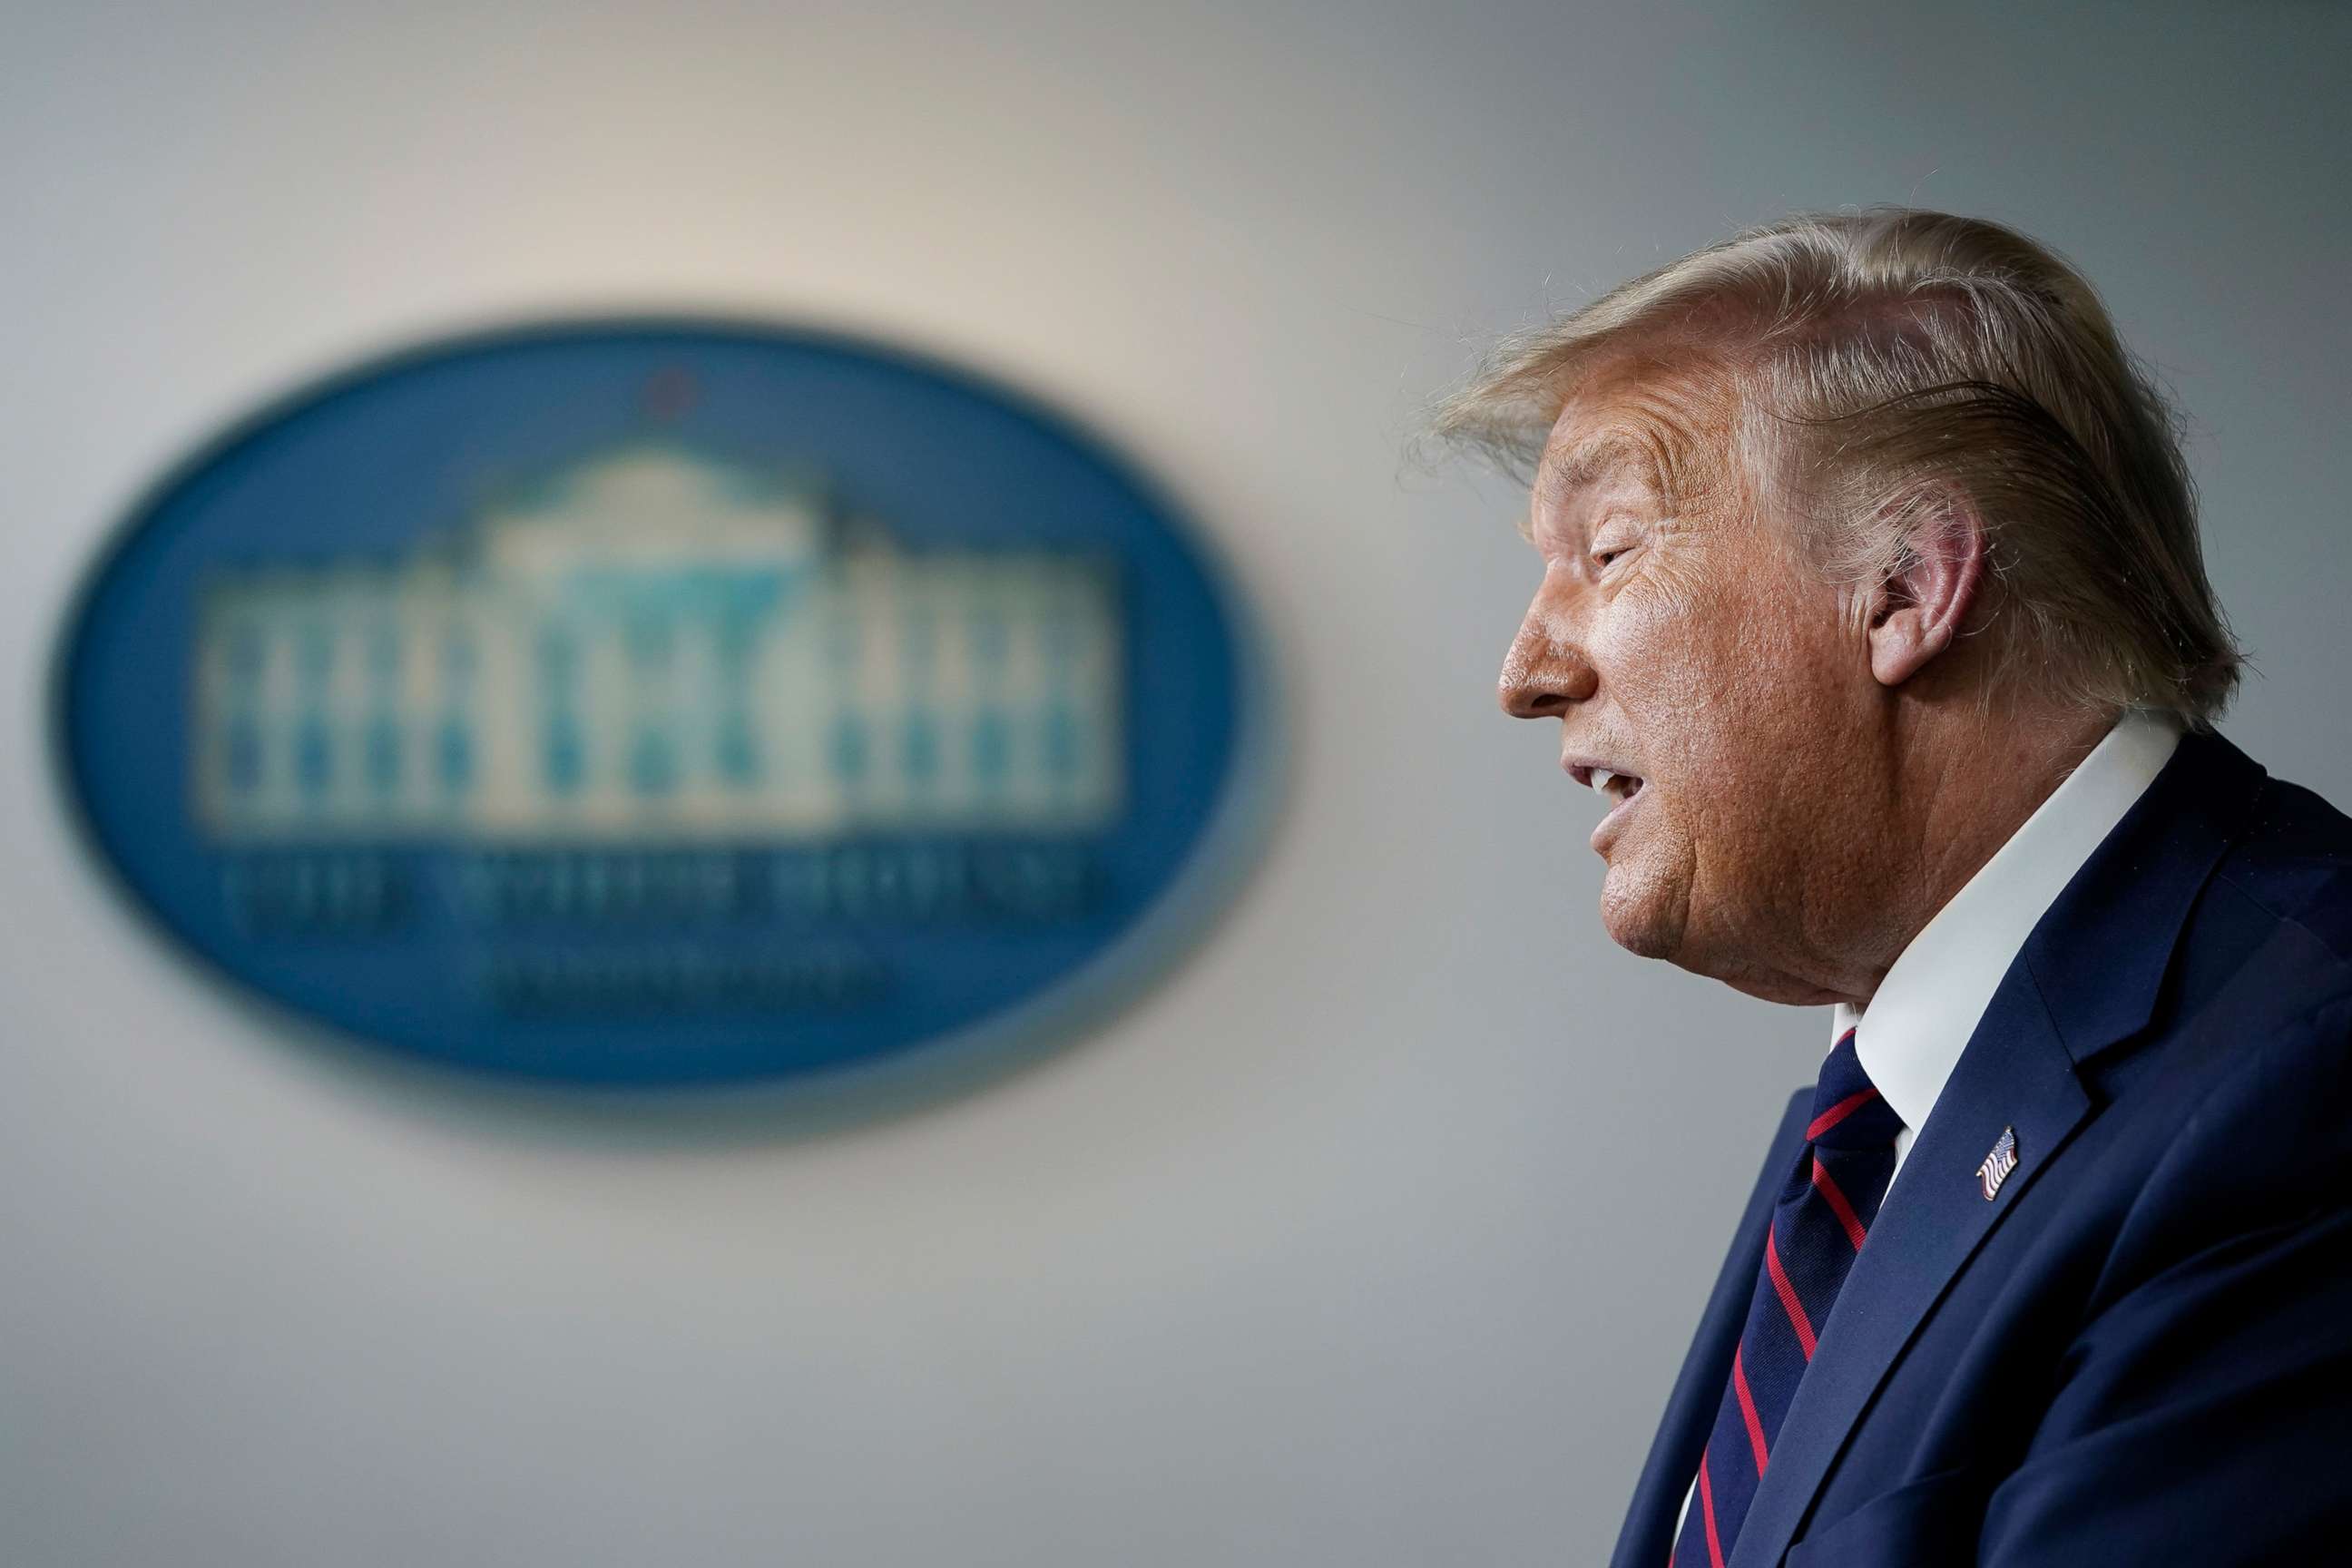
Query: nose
[{"x": 1543, "y": 674}]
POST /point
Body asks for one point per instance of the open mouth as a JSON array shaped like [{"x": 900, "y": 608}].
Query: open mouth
[{"x": 1619, "y": 787}]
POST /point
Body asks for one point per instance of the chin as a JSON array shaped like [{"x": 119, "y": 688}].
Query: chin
[
  {"x": 1642, "y": 915},
  {"x": 1649, "y": 915}
]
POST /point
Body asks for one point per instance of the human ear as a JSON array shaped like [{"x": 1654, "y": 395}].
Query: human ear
[{"x": 1923, "y": 599}]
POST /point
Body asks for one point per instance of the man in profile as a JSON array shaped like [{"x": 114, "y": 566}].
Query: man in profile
[{"x": 1872, "y": 601}]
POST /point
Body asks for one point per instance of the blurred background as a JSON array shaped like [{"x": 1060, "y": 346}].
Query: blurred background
[{"x": 1374, "y": 1232}]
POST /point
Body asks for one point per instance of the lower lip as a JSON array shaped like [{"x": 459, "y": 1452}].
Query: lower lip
[{"x": 1609, "y": 823}]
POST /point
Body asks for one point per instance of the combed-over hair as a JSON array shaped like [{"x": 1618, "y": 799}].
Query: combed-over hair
[{"x": 1891, "y": 361}]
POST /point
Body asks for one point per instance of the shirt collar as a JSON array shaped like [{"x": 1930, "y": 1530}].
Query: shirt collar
[{"x": 1929, "y": 1004}]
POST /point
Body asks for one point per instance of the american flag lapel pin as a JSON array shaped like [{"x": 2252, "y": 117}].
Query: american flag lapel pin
[{"x": 1998, "y": 1164}]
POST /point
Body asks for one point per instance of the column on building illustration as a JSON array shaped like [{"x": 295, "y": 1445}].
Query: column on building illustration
[
  {"x": 655, "y": 646},
  {"x": 335, "y": 702},
  {"x": 976, "y": 690}
]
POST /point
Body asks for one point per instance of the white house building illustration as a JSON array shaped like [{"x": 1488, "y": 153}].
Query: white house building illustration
[{"x": 656, "y": 646}]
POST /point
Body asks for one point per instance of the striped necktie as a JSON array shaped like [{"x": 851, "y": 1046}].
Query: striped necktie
[{"x": 1824, "y": 1209}]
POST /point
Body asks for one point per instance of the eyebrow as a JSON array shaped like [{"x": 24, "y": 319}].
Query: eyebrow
[
  {"x": 1595, "y": 457},
  {"x": 1564, "y": 469}
]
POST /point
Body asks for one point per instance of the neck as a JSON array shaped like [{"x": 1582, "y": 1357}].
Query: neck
[{"x": 1962, "y": 784}]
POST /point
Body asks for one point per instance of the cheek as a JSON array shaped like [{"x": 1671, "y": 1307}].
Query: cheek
[
  {"x": 1728, "y": 679},
  {"x": 1678, "y": 649}
]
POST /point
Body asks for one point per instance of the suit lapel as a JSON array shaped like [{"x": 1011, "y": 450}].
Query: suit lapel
[
  {"x": 2014, "y": 1074},
  {"x": 1649, "y": 1531},
  {"x": 2087, "y": 977}
]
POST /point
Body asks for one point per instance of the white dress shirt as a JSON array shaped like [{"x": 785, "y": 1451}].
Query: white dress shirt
[{"x": 1918, "y": 1021}]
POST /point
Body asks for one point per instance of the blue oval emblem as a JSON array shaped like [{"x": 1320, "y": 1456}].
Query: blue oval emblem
[{"x": 662, "y": 702}]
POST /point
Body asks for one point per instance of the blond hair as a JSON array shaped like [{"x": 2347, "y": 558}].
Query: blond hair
[{"x": 1888, "y": 361}]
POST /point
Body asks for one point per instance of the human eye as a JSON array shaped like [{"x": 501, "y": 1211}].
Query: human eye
[{"x": 1611, "y": 543}]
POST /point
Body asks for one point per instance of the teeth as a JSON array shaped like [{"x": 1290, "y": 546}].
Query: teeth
[{"x": 1619, "y": 787}]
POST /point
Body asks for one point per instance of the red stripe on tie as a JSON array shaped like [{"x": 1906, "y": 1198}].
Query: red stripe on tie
[
  {"x": 1706, "y": 1503},
  {"x": 1795, "y": 1308},
  {"x": 1748, "y": 1411},
  {"x": 1838, "y": 1206},
  {"x": 1839, "y": 1112}
]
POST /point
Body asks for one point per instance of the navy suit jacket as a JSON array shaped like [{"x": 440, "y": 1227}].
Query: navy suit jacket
[{"x": 2140, "y": 1351}]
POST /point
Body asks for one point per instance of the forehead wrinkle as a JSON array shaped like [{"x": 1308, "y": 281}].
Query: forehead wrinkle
[
  {"x": 1657, "y": 420},
  {"x": 1597, "y": 456}
]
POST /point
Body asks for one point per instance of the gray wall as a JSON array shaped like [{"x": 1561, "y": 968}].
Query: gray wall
[{"x": 1373, "y": 1235}]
